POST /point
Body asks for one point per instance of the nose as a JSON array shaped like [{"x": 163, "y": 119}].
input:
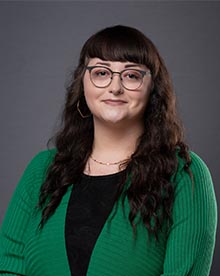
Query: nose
[{"x": 116, "y": 86}]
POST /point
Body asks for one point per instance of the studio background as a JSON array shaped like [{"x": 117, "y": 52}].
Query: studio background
[{"x": 39, "y": 48}]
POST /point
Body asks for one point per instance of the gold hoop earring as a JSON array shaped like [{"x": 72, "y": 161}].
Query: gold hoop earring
[{"x": 83, "y": 116}]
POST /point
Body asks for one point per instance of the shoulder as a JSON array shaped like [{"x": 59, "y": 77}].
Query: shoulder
[
  {"x": 197, "y": 167},
  {"x": 46, "y": 155},
  {"x": 42, "y": 159},
  {"x": 35, "y": 173},
  {"x": 39, "y": 164},
  {"x": 195, "y": 184}
]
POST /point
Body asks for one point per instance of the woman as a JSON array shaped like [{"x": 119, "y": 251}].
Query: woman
[{"x": 120, "y": 194}]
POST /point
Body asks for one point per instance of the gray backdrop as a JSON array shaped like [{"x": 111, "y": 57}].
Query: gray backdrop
[{"x": 40, "y": 44}]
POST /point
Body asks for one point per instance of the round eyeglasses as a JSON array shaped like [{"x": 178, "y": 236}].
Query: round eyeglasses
[{"x": 131, "y": 79}]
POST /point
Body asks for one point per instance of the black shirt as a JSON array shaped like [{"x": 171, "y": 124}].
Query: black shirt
[{"x": 90, "y": 204}]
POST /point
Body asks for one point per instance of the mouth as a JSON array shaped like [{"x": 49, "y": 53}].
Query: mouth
[{"x": 114, "y": 102}]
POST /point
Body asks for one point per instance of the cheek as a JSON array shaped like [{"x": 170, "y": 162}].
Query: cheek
[
  {"x": 146, "y": 99},
  {"x": 91, "y": 97},
  {"x": 146, "y": 95},
  {"x": 88, "y": 97},
  {"x": 87, "y": 89},
  {"x": 85, "y": 84},
  {"x": 142, "y": 99}
]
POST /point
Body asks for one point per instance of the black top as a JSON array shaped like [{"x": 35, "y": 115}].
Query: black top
[{"x": 90, "y": 204}]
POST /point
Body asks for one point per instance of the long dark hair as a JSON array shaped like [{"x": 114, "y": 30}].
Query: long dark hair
[{"x": 150, "y": 192}]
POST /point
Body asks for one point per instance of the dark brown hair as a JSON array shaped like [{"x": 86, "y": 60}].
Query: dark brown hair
[{"x": 150, "y": 192}]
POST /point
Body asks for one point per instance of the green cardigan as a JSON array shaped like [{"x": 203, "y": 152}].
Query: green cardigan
[{"x": 186, "y": 250}]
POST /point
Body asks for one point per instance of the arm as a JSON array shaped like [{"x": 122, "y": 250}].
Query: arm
[
  {"x": 191, "y": 238},
  {"x": 20, "y": 210}
]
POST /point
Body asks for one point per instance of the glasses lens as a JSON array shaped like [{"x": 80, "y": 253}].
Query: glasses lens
[
  {"x": 100, "y": 76},
  {"x": 132, "y": 79}
]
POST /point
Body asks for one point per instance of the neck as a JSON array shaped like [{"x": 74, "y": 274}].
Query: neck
[{"x": 113, "y": 143}]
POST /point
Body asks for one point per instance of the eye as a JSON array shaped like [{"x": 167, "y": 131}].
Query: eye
[
  {"x": 100, "y": 73},
  {"x": 132, "y": 75}
]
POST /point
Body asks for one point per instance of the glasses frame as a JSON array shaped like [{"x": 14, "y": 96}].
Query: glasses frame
[{"x": 143, "y": 73}]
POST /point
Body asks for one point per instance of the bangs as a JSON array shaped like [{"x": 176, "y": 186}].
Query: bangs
[{"x": 117, "y": 44}]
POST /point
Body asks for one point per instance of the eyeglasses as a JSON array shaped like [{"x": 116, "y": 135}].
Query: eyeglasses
[{"x": 131, "y": 79}]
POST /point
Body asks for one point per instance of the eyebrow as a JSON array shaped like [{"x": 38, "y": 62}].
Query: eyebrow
[
  {"x": 103, "y": 63},
  {"x": 126, "y": 66}
]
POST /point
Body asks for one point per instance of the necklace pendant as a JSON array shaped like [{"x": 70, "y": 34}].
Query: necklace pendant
[{"x": 108, "y": 163}]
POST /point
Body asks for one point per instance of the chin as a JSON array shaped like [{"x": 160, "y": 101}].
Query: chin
[{"x": 116, "y": 122}]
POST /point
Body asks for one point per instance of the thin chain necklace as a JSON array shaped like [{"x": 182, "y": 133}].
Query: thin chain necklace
[{"x": 107, "y": 163}]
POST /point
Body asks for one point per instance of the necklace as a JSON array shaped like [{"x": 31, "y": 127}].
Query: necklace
[{"x": 107, "y": 163}]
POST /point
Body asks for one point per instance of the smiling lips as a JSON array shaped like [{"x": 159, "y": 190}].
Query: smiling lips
[{"x": 114, "y": 102}]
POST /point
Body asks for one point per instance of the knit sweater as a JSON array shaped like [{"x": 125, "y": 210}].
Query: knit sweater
[{"x": 186, "y": 250}]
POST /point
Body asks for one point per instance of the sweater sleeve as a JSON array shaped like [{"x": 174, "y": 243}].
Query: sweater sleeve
[
  {"x": 191, "y": 239},
  {"x": 20, "y": 209}
]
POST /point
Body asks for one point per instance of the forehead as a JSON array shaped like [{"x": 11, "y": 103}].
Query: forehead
[{"x": 114, "y": 64}]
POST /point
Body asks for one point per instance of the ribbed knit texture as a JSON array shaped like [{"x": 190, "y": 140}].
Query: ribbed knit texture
[{"x": 186, "y": 250}]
